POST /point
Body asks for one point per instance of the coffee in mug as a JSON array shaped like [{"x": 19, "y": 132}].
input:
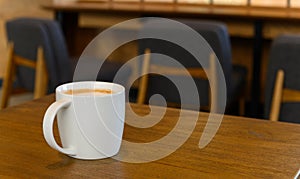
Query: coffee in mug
[
  {"x": 90, "y": 118},
  {"x": 88, "y": 91}
]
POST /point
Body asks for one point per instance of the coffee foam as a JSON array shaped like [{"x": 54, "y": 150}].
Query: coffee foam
[{"x": 88, "y": 92}]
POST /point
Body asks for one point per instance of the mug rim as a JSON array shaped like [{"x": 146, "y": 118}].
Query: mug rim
[{"x": 59, "y": 89}]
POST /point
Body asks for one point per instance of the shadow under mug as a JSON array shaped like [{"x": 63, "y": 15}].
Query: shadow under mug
[{"x": 90, "y": 125}]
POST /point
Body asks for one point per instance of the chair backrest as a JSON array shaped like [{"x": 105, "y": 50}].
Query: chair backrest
[
  {"x": 27, "y": 34},
  {"x": 282, "y": 83},
  {"x": 217, "y": 36},
  {"x": 196, "y": 73},
  {"x": 14, "y": 61},
  {"x": 214, "y": 33}
]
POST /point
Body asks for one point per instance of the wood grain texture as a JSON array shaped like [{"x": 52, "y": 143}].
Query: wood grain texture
[
  {"x": 172, "y": 9},
  {"x": 242, "y": 148},
  {"x": 143, "y": 85},
  {"x": 8, "y": 76},
  {"x": 290, "y": 95},
  {"x": 41, "y": 75},
  {"x": 277, "y": 96}
]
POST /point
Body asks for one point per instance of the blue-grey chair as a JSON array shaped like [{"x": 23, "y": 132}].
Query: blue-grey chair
[
  {"x": 282, "y": 91},
  {"x": 32, "y": 60},
  {"x": 26, "y": 36},
  {"x": 216, "y": 34}
]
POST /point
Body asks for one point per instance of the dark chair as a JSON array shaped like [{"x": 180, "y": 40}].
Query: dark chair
[
  {"x": 282, "y": 92},
  {"x": 31, "y": 59},
  {"x": 197, "y": 73},
  {"x": 26, "y": 36},
  {"x": 216, "y": 34}
]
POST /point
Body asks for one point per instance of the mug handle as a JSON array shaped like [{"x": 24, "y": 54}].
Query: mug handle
[{"x": 48, "y": 125}]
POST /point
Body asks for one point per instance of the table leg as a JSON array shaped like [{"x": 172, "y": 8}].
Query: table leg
[
  {"x": 255, "y": 106},
  {"x": 69, "y": 24}
]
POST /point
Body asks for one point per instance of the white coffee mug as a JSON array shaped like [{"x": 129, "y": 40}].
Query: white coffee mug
[{"x": 90, "y": 119}]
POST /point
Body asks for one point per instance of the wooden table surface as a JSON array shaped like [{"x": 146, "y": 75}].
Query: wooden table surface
[
  {"x": 242, "y": 148},
  {"x": 178, "y": 9}
]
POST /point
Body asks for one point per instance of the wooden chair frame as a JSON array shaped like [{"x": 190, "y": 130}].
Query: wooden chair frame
[
  {"x": 281, "y": 95},
  {"x": 41, "y": 75},
  {"x": 195, "y": 73}
]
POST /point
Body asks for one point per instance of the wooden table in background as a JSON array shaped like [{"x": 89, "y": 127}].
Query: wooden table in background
[
  {"x": 67, "y": 14},
  {"x": 242, "y": 148}
]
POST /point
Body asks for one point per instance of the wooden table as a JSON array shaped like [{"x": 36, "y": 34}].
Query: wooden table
[
  {"x": 177, "y": 9},
  {"x": 242, "y": 148},
  {"x": 67, "y": 14}
]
